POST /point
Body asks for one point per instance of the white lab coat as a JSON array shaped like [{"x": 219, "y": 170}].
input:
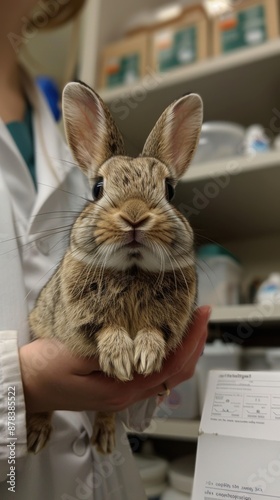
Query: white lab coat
[{"x": 69, "y": 468}]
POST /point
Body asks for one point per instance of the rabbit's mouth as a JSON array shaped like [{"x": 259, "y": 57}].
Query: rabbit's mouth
[{"x": 134, "y": 244}]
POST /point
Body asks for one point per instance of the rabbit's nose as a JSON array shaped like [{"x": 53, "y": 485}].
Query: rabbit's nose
[{"x": 135, "y": 224}]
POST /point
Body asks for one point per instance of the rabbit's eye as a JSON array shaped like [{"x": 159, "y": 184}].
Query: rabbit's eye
[
  {"x": 169, "y": 190},
  {"x": 97, "y": 189}
]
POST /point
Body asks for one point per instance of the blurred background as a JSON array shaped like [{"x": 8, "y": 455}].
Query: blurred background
[{"x": 141, "y": 55}]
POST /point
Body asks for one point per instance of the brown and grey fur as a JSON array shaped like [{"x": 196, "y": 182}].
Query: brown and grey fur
[{"x": 130, "y": 306}]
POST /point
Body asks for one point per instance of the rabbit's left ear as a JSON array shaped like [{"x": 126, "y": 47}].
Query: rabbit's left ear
[
  {"x": 175, "y": 136},
  {"x": 91, "y": 132}
]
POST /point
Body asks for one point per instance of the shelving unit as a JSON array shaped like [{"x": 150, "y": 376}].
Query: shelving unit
[
  {"x": 234, "y": 166},
  {"x": 186, "y": 430},
  {"x": 208, "y": 192},
  {"x": 254, "y": 68},
  {"x": 246, "y": 312},
  {"x": 200, "y": 70},
  {"x": 242, "y": 214},
  {"x": 136, "y": 107}
]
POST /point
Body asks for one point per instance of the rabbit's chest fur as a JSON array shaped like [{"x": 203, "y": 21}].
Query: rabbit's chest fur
[{"x": 76, "y": 304}]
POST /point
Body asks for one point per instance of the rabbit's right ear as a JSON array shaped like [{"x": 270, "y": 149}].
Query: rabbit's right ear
[
  {"x": 91, "y": 132},
  {"x": 175, "y": 135}
]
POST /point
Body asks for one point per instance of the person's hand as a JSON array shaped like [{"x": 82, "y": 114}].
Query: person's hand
[
  {"x": 180, "y": 365},
  {"x": 54, "y": 379}
]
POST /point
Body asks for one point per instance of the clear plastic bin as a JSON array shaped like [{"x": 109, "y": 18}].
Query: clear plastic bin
[
  {"x": 219, "y": 140},
  {"x": 219, "y": 277}
]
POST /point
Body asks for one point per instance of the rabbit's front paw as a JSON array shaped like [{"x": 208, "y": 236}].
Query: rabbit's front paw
[
  {"x": 149, "y": 351},
  {"x": 38, "y": 431},
  {"x": 103, "y": 436},
  {"x": 115, "y": 350}
]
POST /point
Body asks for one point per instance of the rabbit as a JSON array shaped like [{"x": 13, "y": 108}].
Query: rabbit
[{"x": 125, "y": 290}]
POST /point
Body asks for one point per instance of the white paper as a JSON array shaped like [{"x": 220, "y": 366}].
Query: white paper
[{"x": 238, "y": 454}]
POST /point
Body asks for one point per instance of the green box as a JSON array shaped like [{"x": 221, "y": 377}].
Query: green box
[
  {"x": 249, "y": 30},
  {"x": 181, "y": 51},
  {"x": 129, "y": 71}
]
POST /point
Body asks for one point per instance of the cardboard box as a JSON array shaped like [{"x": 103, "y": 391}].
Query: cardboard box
[
  {"x": 124, "y": 61},
  {"x": 181, "y": 42},
  {"x": 250, "y": 23}
]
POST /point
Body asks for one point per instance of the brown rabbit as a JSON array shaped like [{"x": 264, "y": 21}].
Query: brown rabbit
[{"x": 126, "y": 287}]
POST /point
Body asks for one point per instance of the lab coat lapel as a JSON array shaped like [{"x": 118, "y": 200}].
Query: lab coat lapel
[
  {"x": 52, "y": 157},
  {"x": 13, "y": 317},
  {"x": 50, "y": 154}
]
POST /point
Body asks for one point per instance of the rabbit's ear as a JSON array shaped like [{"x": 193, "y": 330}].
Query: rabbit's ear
[
  {"x": 90, "y": 129},
  {"x": 174, "y": 137}
]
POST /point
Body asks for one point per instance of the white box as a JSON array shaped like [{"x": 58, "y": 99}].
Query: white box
[
  {"x": 218, "y": 281},
  {"x": 238, "y": 454},
  {"x": 216, "y": 356}
]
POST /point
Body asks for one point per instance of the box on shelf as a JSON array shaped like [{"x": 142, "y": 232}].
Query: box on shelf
[
  {"x": 216, "y": 356},
  {"x": 180, "y": 42},
  {"x": 181, "y": 476},
  {"x": 153, "y": 472},
  {"x": 219, "y": 276},
  {"x": 124, "y": 61},
  {"x": 250, "y": 23}
]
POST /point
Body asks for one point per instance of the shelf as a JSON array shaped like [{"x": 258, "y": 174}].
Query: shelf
[
  {"x": 221, "y": 81},
  {"x": 173, "y": 429},
  {"x": 246, "y": 313},
  {"x": 198, "y": 70},
  {"x": 232, "y": 199},
  {"x": 232, "y": 166}
]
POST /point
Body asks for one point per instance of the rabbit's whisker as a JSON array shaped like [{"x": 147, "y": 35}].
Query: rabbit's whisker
[
  {"x": 181, "y": 270},
  {"x": 171, "y": 263},
  {"x": 63, "y": 191},
  {"x": 62, "y": 160},
  {"x": 161, "y": 271},
  {"x": 25, "y": 246},
  {"x": 106, "y": 196},
  {"x": 195, "y": 262}
]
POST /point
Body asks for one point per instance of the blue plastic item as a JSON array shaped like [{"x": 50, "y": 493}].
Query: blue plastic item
[{"x": 52, "y": 93}]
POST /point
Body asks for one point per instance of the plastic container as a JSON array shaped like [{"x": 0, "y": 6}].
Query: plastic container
[
  {"x": 269, "y": 290},
  {"x": 182, "y": 403},
  {"x": 255, "y": 359},
  {"x": 155, "y": 492},
  {"x": 219, "y": 276},
  {"x": 276, "y": 144},
  {"x": 219, "y": 140},
  {"x": 273, "y": 358},
  {"x": 181, "y": 474},
  {"x": 256, "y": 140},
  {"x": 153, "y": 472},
  {"x": 216, "y": 356},
  {"x": 171, "y": 494}
]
